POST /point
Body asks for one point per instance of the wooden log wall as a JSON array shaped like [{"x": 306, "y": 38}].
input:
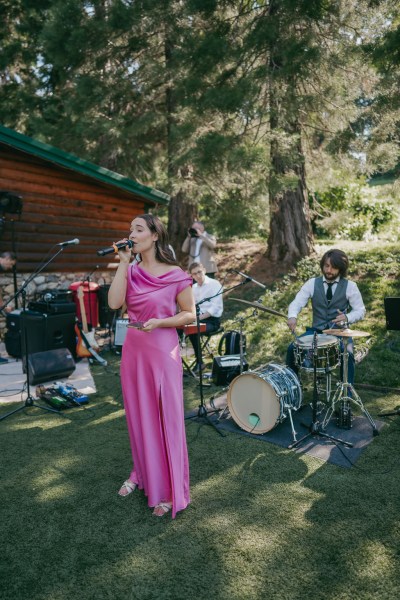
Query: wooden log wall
[{"x": 60, "y": 204}]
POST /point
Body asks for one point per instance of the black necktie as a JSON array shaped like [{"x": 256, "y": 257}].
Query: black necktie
[{"x": 329, "y": 291}]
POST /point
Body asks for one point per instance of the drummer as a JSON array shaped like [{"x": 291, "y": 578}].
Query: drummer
[{"x": 336, "y": 302}]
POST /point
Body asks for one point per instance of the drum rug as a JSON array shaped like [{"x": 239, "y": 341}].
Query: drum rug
[{"x": 360, "y": 435}]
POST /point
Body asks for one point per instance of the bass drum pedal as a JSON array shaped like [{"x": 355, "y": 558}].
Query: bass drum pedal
[{"x": 344, "y": 415}]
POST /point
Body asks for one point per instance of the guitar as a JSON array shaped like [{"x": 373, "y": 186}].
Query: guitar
[{"x": 87, "y": 346}]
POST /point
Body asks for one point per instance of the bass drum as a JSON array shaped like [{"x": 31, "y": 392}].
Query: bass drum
[{"x": 259, "y": 401}]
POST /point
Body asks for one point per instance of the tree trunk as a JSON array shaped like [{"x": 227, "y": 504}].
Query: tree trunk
[
  {"x": 181, "y": 215},
  {"x": 181, "y": 211},
  {"x": 290, "y": 234}
]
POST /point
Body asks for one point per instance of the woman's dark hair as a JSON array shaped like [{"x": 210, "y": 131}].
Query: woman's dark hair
[
  {"x": 338, "y": 260},
  {"x": 164, "y": 252}
]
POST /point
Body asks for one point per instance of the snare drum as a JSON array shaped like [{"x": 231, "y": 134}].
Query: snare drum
[
  {"x": 258, "y": 401},
  {"x": 327, "y": 354}
]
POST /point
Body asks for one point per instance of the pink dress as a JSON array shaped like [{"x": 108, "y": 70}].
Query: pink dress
[{"x": 151, "y": 377}]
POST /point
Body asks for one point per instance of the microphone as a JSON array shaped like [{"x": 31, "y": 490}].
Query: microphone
[
  {"x": 111, "y": 249},
  {"x": 264, "y": 287},
  {"x": 87, "y": 278},
  {"x": 69, "y": 243}
]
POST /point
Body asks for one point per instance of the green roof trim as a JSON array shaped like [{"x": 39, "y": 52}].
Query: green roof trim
[{"x": 84, "y": 167}]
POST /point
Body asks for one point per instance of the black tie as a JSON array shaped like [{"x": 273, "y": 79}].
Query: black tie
[{"x": 329, "y": 291}]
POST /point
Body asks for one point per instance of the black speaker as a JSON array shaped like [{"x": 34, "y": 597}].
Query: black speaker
[
  {"x": 226, "y": 368},
  {"x": 53, "y": 308},
  {"x": 48, "y": 332},
  {"x": 50, "y": 365},
  {"x": 106, "y": 315},
  {"x": 392, "y": 312},
  {"x": 12, "y": 338}
]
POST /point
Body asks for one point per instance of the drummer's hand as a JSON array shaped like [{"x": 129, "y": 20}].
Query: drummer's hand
[
  {"x": 150, "y": 325},
  {"x": 291, "y": 323},
  {"x": 125, "y": 254},
  {"x": 340, "y": 320}
]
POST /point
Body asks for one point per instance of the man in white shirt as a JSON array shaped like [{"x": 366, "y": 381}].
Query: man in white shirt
[
  {"x": 208, "y": 297},
  {"x": 336, "y": 302}
]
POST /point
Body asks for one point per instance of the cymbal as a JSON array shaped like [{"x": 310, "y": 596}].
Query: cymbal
[
  {"x": 259, "y": 307},
  {"x": 347, "y": 333}
]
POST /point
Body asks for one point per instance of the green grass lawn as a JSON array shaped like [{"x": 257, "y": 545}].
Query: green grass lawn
[{"x": 264, "y": 522}]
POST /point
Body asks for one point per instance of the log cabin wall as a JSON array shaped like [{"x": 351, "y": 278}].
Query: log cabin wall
[{"x": 58, "y": 204}]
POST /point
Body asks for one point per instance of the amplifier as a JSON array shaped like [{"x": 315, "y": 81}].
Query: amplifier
[
  {"x": 57, "y": 296},
  {"x": 53, "y": 308},
  {"x": 121, "y": 327},
  {"x": 225, "y": 368}
]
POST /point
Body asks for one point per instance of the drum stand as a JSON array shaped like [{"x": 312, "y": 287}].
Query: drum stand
[
  {"x": 346, "y": 393},
  {"x": 315, "y": 428}
]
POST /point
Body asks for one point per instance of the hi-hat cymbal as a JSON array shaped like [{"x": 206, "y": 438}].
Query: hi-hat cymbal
[
  {"x": 259, "y": 307},
  {"x": 347, "y": 333}
]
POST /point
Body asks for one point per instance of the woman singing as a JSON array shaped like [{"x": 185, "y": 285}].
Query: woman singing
[{"x": 151, "y": 367}]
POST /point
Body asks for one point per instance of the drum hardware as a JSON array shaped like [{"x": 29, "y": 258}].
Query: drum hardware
[
  {"x": 259, "y": 307},
  {"x": 315, "y": 428},
  {"x": 259, "y": 401},
  {"x": 344, "y": 416},
  {"x": 328, "y": 358},
  {"x": 345, "y": 391}
]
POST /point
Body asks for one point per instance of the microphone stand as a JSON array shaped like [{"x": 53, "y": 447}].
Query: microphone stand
[
  {"x": 30, "y": 400},
  {"x": 315, "y": 428},
  {"x": 202, "y": 411},
  {"x": 87, "y": 278}
]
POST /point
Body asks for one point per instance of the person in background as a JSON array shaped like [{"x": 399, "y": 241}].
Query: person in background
[
  {"x": 151, "y": 366},
  {"x": 7, "y": 262},
  {"x": 336, "y": 302},
  {"x": 210, "y": 310},
  {"x": 200, "y": 246}
]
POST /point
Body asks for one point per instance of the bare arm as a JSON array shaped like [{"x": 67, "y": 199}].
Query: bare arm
[
  {"x": 117, "y": 291},
  {"x": 186, "y": 244},
  {"x": 186, "y": 315},
  {"x": 209, "y": 240}
]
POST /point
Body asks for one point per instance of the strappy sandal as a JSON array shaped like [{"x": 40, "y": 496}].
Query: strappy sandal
[
  {"x": 161, "y": 509},
  {"x": 127, "y": 488}
]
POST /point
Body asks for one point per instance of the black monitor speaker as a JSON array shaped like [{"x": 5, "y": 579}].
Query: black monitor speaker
[
  {"x": 392, "y": 313},
  {"x": 50, "y": 365}
]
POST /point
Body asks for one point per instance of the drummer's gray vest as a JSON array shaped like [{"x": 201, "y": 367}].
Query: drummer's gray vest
[{"x": 324, "y": 311}]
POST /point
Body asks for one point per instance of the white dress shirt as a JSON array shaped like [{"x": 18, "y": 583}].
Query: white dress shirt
[
  {"x": 210, "y": 287},
  {"x": 353, "y": 296}
]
